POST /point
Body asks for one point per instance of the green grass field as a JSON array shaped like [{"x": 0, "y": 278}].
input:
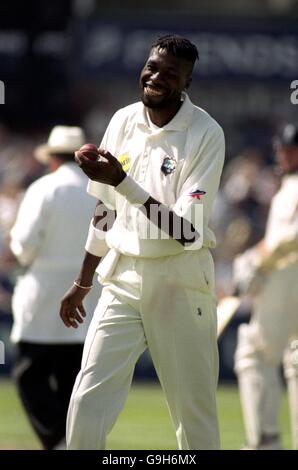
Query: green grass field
[{"x": 143, "y": 424}]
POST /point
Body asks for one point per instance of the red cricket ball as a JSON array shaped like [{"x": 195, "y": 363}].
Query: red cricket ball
[{"x": 90, "y": 151}]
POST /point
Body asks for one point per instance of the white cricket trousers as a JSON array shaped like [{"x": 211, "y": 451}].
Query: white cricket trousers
[{"x": 165, "y": 304}]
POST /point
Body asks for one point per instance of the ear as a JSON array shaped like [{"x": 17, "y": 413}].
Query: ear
[{"x": 188, "y": 82}]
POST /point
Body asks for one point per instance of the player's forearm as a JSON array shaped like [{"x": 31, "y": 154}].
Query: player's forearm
[
  {"x": 261, "y": 253},
  {"x": 286, "y": 251},
  {"x": 261, "y": 248},
  {"x": 96, "y": 246},
  {"x": 165, "y": 219},
  {"x": 169, "y": 222},
  {"x": 87, "y": 270}
]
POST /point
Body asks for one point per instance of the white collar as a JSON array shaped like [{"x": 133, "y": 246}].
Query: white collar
[{"x": 180, "y": 121}]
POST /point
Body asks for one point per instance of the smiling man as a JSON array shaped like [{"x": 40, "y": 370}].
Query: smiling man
[
  {"x": 160, "y": 171},
  {"x": 162, "y": 81}
]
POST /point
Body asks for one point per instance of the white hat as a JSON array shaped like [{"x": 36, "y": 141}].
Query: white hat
[{"x": 62, "y": 139}]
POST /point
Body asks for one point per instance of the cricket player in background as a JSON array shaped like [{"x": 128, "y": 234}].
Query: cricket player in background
[
  {"x": 274, "y": 324},
  {"x": 162, "y": 153}
]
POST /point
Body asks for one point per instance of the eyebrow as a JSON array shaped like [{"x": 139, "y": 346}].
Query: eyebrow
[{"x": 154, "y": 62}]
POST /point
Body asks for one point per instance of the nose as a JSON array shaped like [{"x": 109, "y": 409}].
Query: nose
[{"x": 156, "y": 77}]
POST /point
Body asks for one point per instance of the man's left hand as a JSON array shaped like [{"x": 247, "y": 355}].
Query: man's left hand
[{"x": 107, "y": 171}]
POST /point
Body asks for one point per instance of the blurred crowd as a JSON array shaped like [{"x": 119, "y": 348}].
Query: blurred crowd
[{"x": 248, "y": 183}]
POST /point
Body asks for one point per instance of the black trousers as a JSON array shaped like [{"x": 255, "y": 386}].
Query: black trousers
[{"x": 45, "y": 375}]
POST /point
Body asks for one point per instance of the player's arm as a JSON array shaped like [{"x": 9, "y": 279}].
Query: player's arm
[
  {"x": 279, "y": 245},
  {"x": 244, "y": 272},
  {"x": 111, "y": 173},
  {"x": 251, "y": 268},
  {"x": 179, "y": 228},
  {"x": 206, "y": 170},
  {"x": 271, "y": 258},
  {"x": 72, "y": 311}
]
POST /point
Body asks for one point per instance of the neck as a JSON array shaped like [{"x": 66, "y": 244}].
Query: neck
[
  {"x": 161, "y": 117},
  {"x": 54, "y": 164}
]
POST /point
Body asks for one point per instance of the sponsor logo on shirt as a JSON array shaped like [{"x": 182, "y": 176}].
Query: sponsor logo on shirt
[
  {"x": 168, "y": 165},
  {"x": 197, "y": 193},
  {"x": 125, "y": 161}
]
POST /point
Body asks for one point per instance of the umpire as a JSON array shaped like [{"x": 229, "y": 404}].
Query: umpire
[{"x": 46, "y": 239}]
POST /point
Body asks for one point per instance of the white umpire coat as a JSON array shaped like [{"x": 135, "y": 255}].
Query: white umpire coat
[{"x": 48, "y": 237}]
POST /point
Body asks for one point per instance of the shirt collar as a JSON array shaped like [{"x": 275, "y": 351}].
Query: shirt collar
[{"x": 180, "y": 121}]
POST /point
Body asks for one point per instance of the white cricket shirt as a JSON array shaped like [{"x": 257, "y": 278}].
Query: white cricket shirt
[
  {"x": 282, "y": 223},
  {"x": 191, "y": 146}
]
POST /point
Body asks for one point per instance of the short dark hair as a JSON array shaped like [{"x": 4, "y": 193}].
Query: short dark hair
[{"x": 178, "y": 46}]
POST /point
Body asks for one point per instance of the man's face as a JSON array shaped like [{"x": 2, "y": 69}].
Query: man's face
[
  {"x": 163, "y": 79},
  {"x": 287, "y": 157}
]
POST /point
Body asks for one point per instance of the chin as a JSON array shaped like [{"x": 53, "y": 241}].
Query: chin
[{"x": 153, "y": 104}]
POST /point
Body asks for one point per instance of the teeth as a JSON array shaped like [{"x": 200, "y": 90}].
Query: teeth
[{"x": 153, "y": 91}]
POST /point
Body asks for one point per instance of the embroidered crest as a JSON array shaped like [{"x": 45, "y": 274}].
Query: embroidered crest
[
  {"x": 197, "y": 193},
  {"x": 168, "y": 165}
]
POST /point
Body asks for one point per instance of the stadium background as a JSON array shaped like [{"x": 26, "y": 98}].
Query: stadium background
[{"x": 77, "y": 61}]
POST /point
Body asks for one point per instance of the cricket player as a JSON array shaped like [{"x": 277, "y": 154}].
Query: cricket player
[
  {"x": 163, "y": 158},
  {"x": 274, "y": 325}
]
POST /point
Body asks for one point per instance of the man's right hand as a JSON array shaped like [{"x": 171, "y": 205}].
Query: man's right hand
[{"x": 72, "y": 310}]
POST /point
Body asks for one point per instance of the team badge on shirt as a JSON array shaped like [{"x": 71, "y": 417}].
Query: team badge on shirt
[
  {"x": 197, "y": 193},
  {"x": 168, "y": 165},
  {"x": 125, "y": 161}
]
